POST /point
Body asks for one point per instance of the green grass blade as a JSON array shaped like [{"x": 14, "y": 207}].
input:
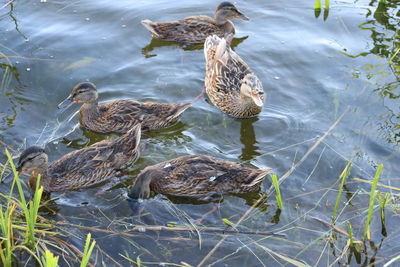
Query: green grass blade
[
  {"x": 317, "y": 4},
  {"x": 372, "y": 196},
  {"x": 87, "y": 251},
  {"x": 50, "y": 260},
  {"x": 344, "y": 175},
  {"x": 387, "y": 264},
  {"x": 278, "y": 196},
  {"x": 350, "y": 232},
  {"x": 138, "y": 262},
  {"x": 326, "y": 4}
]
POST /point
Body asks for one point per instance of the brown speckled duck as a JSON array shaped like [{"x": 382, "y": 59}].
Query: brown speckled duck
[
  {"x": 120, "y": 115},
  {"x": 230, "y": 83},
  {"x": 195, "y": 29},
  {"x": 81, "y": 168},
  {"x": 197, "y": 176}
]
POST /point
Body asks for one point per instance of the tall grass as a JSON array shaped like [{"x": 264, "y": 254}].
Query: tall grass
[
  {"x": 20, "y": 229},
  {"x": 343, "y": 176},
  {"x": 11, "y": 222},
  {"x": 278, "y": 196},
  {"x": 30, "y": 209},
  {"x": 87, "y": 250},
  {"x": 372, "y": 196},
  {"x": 50, "y": 260}
]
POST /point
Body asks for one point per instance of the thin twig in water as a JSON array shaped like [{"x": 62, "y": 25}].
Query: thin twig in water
[
  {"x": 7, "y": 4},
  {"x": 281, "y": 180},
  {"x": 159, "y": 228},
  {"x": 315, "y": 166},
  {"x": 7, "y": 146}
]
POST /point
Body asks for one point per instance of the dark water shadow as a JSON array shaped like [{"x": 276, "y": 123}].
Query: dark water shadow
[
  {"x": 91, "y": 138},
  {"x": 248, "y": 139},
  {"x": 155, "y": 43}
]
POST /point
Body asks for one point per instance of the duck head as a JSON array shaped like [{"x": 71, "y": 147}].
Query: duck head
[
  {"x": 85, "y": 92},
  {"x": 227, "y": 10},
  {"x": 252, "y": 89},
  {"x": 31, "y": 159}
]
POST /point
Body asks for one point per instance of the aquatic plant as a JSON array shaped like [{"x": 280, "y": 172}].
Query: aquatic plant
[
  {"x": 343, "y": 176},
  {"x": 22, "y": 230},
  {"x": 278, "y": 196},
  {"x": 372, "y": 196}
]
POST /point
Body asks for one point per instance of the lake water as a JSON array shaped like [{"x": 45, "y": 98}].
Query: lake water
[{"x": 313, "y": 68}]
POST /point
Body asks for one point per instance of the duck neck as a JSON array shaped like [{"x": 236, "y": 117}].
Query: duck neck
[
  {"x": 224, "y": 23},
  {"x": 89, "y": 110},
  {"x": 220, "y": 19},
  {"x": 245, "y": 107},
  {"x": 42, "y": 170}
]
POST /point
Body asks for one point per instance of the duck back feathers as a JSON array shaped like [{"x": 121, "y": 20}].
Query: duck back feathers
[
  {"x": 197, "y": 176},
  {"x": 93, "y": 164}
]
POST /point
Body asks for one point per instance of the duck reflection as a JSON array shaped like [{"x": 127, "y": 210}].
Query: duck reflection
[
  {"x": 170, "y": 134},
  {"x": 248, "y": 139},
  {"x": 154, "y": 43}
]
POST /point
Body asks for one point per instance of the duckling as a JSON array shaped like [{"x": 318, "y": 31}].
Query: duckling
[
  {"x": 120, "y": 115},
  {"x": 82, "y": 168},
  {"x": 230, "y": 83},
  {"x": 195, "y": 29},
  {"x": 197, "y": 176}
]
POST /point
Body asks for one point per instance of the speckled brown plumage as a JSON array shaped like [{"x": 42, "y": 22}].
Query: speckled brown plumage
[
  {"x": 190, "y": 30},
  {"x": 197, "y": 176},
  {"x": 225, "y": 75},
  {"x": 84, "y": 167},
  {"x": 121, "y": 115},
  {"x": 195, "y": 29}
]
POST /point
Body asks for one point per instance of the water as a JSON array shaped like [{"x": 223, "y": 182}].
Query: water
[{"x": 312, "y": 70}]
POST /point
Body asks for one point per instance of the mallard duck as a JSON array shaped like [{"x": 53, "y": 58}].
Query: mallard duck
[
  {"x": 230, "y": 83},
  {"x": 81, "y": 168},
  {"x": 120, "y": 115},
  {"x": 197, "y": 176},
  {"x": 195, "y": 29}
]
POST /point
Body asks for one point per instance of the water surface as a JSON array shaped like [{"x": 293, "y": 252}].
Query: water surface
[{"x": 313, "y": 69}]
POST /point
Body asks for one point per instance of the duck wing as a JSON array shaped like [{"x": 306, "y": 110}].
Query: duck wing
[
  {"x": 161, "y": 115},
  {"x": 200, "y": 175},
  {"x": 225, "y": 70},
  {"x": 81, "y": 168},
  {"x": 193, "y": 29},
  {"x": 122, "y": 115},
  {"x": 94, "y": 164}
]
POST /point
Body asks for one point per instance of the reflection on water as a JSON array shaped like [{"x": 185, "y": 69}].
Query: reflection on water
[
  {"x": 308, "y": 77},
  {"x": 155, "y": 43},
  {"x": 248, "y": 139},
  {"x": 385, "y": 38}
]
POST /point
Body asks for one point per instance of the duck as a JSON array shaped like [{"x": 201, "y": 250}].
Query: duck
[
  {"x": 229, "y": 82},
  {"x": 200, "y": 177},
  {"x": 120, "y": 116},
  {"x": 195, "y": 29},
  {"x": 81, "y": 168}
]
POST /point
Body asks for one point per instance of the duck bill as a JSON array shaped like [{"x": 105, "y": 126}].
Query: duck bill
[
  {"x": 241, "y": 16},
  {"x": 257, "y": 100},
  {"x": 66, "y": 103}
]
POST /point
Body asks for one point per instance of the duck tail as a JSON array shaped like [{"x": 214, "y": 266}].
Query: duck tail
[
  {"x": 182, "y": 108},
  {"x": 220, "y": 47},
  {"x": 134, "y": 134},
  {"x": 260, "y": 177},
  {"x": 150, "y": 26},
  {"x": 211, "y": 43}
]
